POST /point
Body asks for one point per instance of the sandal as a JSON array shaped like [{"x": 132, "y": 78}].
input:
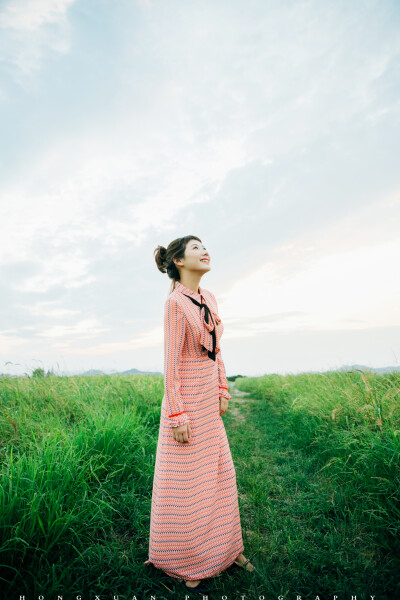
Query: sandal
[{"x": 245, "y": 565}]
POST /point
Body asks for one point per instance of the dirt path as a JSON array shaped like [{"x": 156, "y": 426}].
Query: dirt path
[{"x": 236, "y": 402}]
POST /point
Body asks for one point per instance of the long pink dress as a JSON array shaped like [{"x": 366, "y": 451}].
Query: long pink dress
[{"x": 195, "y": 529}]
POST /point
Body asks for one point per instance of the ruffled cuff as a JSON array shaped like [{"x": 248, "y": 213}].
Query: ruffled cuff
[
  {"x": 177, "y": 420},
  {"x": 224, "y": 392}
]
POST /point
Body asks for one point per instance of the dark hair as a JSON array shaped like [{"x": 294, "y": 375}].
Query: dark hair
[{"x": 164, "y": 257}]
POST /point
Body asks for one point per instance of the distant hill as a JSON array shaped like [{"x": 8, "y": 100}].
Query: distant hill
[
  {"x": 381, "y": 370},
  {"x": 377, "y": 370},
  {"x": 128, "y": 372}
]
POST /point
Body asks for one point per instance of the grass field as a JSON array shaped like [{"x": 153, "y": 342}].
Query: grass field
[{"x": 317, "y": 460}]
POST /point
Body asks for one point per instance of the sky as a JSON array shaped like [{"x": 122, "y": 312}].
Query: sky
[{"x": 268, "y": 128}]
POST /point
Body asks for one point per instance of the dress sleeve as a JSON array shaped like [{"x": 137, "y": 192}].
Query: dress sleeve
[
  {"x": 174, "y": 337},
  {"x": 223, "y": 383}
]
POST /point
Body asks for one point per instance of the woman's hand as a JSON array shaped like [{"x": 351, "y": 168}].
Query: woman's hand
[
  {"x": 223, "y": 405},
  {"x": 182, "y": 433}
]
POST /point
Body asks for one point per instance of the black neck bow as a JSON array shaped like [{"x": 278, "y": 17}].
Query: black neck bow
[{"x": 207, "y": 313}]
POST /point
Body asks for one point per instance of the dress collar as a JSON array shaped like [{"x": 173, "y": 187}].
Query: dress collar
[
  {"x": 209, "y": 335},
  {"x": 185, "y": 290}
]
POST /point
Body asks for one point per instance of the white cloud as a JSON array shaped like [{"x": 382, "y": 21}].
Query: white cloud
[
  {"x": 30, "y": 29},
  {"x": 147, "y": 339},
  {"x": 272, "y": 126},
  {"x": 29, "y": 15},
  {"x": 299, "y": 290},
  {"x": 43, "y": 309},
  {"x": 12, "y": 343},
  {"x": 70, "y": 195},
  {"x": 82, "y": 330},
  {"x": 68, "y": 271}
]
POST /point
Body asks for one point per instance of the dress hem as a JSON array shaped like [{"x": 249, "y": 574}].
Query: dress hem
[{"x": 211, "y": 572}]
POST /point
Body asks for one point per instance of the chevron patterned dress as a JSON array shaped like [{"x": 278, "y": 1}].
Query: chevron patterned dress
[{"x": 195, "y": 529}]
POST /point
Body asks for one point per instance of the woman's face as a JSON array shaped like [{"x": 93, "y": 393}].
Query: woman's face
[{"x": 197, "y": 257}]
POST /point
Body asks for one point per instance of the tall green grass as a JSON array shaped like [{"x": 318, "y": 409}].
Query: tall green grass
[
  {"x": 77, "y": 458},
  {"x": 77, "y": 462},
  {"x": 349, "y": 423}
]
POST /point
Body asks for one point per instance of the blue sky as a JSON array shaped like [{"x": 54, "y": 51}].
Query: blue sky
[{"x": 269, "y": 129}]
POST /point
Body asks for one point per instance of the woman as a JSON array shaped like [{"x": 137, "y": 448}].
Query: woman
[{"x": 195, "y": 529}]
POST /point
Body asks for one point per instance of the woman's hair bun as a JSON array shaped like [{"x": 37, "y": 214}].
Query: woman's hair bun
[
  {"x": 163, "y": 254},
  {"x": 160, "y": 255}
]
